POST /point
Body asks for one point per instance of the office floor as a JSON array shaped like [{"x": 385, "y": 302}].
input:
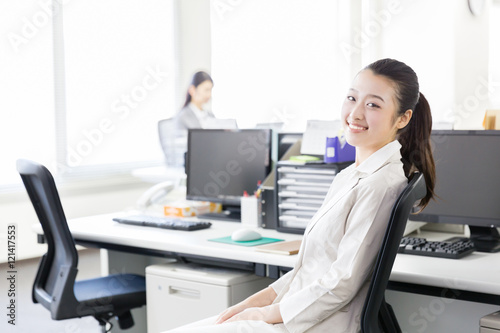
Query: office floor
[{"x": 32, "y": 317}]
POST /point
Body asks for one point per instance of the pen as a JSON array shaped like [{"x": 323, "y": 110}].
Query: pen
[{"x": 259, "y": 189}]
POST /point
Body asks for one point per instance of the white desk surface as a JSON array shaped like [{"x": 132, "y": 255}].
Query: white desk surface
[
  {"x": 101, "y": 228},
  {"x": 478, "y": 272}
]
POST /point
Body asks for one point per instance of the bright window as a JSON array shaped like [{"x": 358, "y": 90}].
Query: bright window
[
  {"x": 85, "y": 85},
  {"x": 119, "y": 74},
  {"x": 27, "y": 103}
]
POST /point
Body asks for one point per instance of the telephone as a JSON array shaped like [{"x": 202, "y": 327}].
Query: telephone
[{"x": 155, "y": 193}]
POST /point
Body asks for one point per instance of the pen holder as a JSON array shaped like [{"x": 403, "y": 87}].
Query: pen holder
[{"x": 251, "y": 212}]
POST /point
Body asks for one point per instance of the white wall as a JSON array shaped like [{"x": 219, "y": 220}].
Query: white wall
[
  {"x": 471, "y": 64},
  {"x": 194, "y": 42},
  {"x": 442, "y": 41}
]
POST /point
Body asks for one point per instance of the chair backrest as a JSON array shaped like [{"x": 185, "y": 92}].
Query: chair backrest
[
  {"x": 166, "y": 133},
  {"x": 413, "y": 192},
  {"x": 54, "y": 282},
  {"x": 173, "y": 141}
]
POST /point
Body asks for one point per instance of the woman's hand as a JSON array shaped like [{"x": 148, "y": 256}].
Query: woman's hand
[
  {"x": 232, "y": 311},
  {"x": 261, "y": 299},
  {"x": 269, "y": 314}
]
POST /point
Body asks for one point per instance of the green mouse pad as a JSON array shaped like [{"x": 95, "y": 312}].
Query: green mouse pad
[{"x": 263, "y": 240}]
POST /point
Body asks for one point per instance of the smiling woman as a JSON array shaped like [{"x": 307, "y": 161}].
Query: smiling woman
[{"x": 327, "y": 287}]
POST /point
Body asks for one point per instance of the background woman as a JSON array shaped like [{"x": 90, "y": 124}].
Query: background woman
[{"x": 193, "y": 114}]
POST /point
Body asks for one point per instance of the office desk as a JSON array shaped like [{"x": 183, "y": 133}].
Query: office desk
[
  {"x": 100, "y": 231},
  {"x": 473, "y": 278}
]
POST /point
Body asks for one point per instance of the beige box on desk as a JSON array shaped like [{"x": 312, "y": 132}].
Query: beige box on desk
[
  {"x": 492, "y": 120},
  {"x": 179, "y": 294},
  {"x": 185, "y": 208},
  {"x": 490, "y": 323}
]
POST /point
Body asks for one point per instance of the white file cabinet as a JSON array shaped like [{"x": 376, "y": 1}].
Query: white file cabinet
[
  {"x": 179, "y": 294},
  {"x": 490, "y": 323}
]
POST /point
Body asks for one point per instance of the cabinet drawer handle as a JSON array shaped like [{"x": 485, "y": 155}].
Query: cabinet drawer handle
[{"x": 184, "y": 292}]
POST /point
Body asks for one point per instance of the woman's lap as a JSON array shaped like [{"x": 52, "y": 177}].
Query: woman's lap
[{"x": 246, "y": 326}]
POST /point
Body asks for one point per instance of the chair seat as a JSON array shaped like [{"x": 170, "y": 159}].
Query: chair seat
[{"x": 113, "y": 292}]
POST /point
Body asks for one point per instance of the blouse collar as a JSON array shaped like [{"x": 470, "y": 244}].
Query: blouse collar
[{"x": 389, "y": 152}]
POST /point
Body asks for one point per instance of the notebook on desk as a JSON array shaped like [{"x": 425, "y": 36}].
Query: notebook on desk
[
  {"x": 286, "y": 248},
  {"x": 263, "y": 240}
]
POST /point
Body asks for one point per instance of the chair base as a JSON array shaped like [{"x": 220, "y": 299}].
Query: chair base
[{"x": 125, "y": 321}]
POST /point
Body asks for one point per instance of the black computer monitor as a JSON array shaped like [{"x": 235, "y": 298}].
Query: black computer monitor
[
  {"x": 467, "y": 184},
  {"x": 221, "y": 165}
]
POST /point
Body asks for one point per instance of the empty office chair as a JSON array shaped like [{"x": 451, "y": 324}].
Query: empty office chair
[
  {"x": 377, "y": 315},
  {"x": 55, "y": 287},
  {"x": 173, "y": 142},
  {"x": 166, "y": 131}
]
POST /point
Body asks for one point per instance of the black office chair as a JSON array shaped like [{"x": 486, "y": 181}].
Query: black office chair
[
  {"x": 55, "y": 287},
  {"x": 377, "y": 315}
]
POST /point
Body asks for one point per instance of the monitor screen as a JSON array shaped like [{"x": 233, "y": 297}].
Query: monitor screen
[
  {"x": 223, "y": 164},
  {"x": 467, "y": 184},
  {"x": 467, "y": 178}
]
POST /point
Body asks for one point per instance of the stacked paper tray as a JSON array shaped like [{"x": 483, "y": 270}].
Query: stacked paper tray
[{"x": 301, "y": 189}]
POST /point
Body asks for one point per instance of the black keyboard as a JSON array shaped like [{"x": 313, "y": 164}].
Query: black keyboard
[
  {"x": 163, "y": 222},
  {"x": 451, "y": 249}
]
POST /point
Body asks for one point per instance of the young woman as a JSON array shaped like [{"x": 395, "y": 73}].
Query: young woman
[
  {"x": 192, "y": 114},
  {"x": 389, "y": 122}
]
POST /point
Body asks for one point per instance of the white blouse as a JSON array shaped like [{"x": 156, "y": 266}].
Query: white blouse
[
  {"x": 201, "y": 115},
  {"x": 326, "y": 290}
]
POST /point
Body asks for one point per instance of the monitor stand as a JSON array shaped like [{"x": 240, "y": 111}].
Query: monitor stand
[
  {"x": 228, "y": 214},
  {"x": 486, "y": 239}
]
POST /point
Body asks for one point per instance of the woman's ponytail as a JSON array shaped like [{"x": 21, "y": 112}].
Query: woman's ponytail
[{"x": 416, "y": 148}]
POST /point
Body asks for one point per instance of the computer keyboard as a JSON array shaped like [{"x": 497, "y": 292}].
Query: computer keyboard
[
  {"x": 451, "y": 249},
  {"x": 163, "y": 222}
]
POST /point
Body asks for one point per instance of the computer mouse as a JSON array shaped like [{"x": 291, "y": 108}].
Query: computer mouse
[{"x": 245, "y": 235}]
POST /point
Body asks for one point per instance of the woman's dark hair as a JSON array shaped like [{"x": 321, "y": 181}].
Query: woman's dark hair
[
  {"x": 198, "y": 78},
  {"x": 416, "y": 149}
]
